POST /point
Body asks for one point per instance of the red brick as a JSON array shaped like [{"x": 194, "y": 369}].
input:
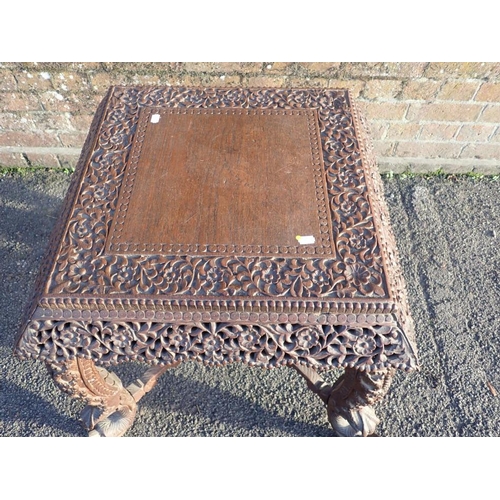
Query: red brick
[
  {"x": 482, "y": 151},
  {"x": 320, "y": 82},
  {"x": 384, "y": 110},
  {"x": 174, "y": 67},
  {"x": 416, "y": 149},
  {"x": 81, "y": 66},
  {"x": 383, "y": 148},
  {"x": 391, "y": 69},
  {"x": 9, "y": 121},
  {"x": 12, "y": 160},
  {"x": 284, "y": 68},
  {"x": 444, "y": 111},
  {"x": 34, "y": 81},
  {"x": 475, "y": 133},
  {"x": 239, "y": 67},
  {"x": 55, "y": 101},
  {"x": 207, "y": 80},
  {"x": 73, "y": 139},
  {"x": 86, "y": 103},
  {"x": 68, "y": 161},
  {"x": 484, "y": 169},
  {"x": 70, "y": 82},
  {"x": 491, "y": 113},
  {"x": 271, "y": 81},
  {"x": 421, "y": 89},
  {"x": 405, "y": 130},
  {"x": 35, "y": 121},
  {"x": 102, "y": 81},
  {"x": 165, "y": 80},
  {"x": 7, "y": 81},
  {"x": 463, "y": 69},
  {"x": 9, "y": 65},
  {"x": 458, "y": 90},
  {"x": 355, "y": 86},
  {"x": 321, "y": 68},
  {"x": 194, "y": 80},
  {"x": 47, "y": 160},
  {"x": 144, "y": 80},
  {"x": 18, "y": 101},
  {"x": 227, "y": 80},
  {"x": 489, "y": 92},
  {"x": 47, "y": 121},
  {"x": 438, "y": 131},
  {"x": 141, "y": 67},
  {"x": 125, "y": 79},
  {"x": 28, "y": 139},
  {"x": 199, "y": 67},
  {"x": 382, "y": 89},
  {"x": 496, "y": 136},
  {"x": 56, "y": 66},
  {"x": 301, "y": 82},
  {"x": 70, "y": 103},
  {"x": 80, "y": 123},
  {"x": 224, "y": 67},
  {"x": 377, "y": 130}
]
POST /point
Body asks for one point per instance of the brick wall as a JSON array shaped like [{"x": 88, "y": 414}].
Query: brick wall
[{"x": 423, "y": 116}]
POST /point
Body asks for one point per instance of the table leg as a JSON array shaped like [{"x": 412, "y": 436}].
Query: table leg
[
  {"x": 111, "y": 407},
  {"x": 350, "y": 400}
]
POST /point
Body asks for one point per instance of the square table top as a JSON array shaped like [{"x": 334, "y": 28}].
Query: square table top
[{"x": 224, "y": 210}]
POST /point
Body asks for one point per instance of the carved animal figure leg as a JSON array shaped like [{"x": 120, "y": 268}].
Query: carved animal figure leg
[
  {"x": 350, "y": 403},
  {"x": 111, "y": 408},
  {"x": 350, "y": 400}
]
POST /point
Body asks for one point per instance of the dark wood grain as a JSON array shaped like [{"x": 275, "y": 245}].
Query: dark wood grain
[{"x": 234, "y": 177}]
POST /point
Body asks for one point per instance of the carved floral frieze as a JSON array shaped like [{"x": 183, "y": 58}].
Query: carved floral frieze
[
  {"x": 351, "y": 268},
  {"x": 325, "y": 346},
  {"x": 341, "y": 303}
]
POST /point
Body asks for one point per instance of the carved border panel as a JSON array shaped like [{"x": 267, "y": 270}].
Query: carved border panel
[
  {"x": 323, "y": 346},
  {"x": 355, "y": 271},
  {"x": 347, "y": 308}
]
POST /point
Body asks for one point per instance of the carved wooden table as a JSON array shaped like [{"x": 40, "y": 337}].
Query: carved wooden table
[{"x": 223, "y": 225}]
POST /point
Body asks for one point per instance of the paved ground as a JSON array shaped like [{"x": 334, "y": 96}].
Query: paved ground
[{"x": 448, "y": 232}]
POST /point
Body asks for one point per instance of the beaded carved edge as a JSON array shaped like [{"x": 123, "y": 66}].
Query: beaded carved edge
[
  {"x": 323, "y": 246},
  {"x": 359, "y": 272},
  {"x": 355, "y": 271}
]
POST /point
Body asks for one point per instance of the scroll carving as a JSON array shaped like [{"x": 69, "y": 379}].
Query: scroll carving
[
  {"x": 353, "y": 270},
  {"x": 110, "y": 409},
  {"x": 323, "y": 347},
  {"x": 340, "y": 302}
]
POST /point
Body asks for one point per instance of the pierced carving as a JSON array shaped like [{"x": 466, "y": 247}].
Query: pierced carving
[
  {"x": 339, "y": 302},
  {"x": 111, "y": 408},
  {"x": 396, "y": 282},
  {"x": 366, "y": 348}
]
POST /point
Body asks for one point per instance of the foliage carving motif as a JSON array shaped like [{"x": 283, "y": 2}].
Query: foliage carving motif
[
  {"x": 354, "y": 268},
  {"x": 367, "y": 348}
]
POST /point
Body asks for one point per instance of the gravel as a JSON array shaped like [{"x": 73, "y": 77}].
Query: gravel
[{"x": 447, "y": 229}]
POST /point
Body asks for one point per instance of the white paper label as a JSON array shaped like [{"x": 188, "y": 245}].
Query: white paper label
[{"x": 306, "y": 240}]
